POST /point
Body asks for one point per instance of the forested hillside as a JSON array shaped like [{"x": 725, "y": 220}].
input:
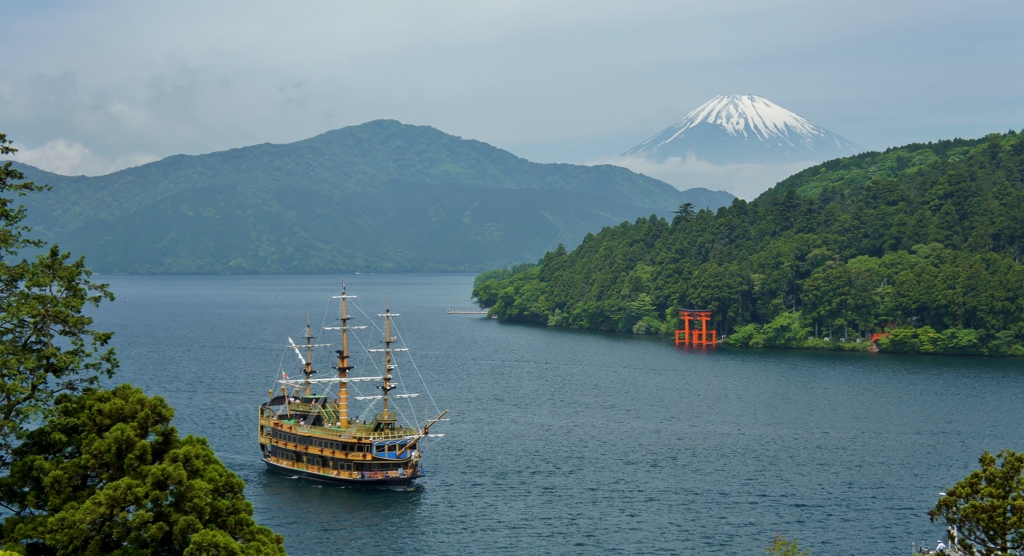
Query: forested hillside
[
  {"x": 381, "y": 196},
  {"x": 924, "y": 240}
]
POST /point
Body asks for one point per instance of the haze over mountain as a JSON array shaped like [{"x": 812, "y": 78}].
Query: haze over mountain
[
  {"x": 374, "y": 197},
  {"x": 742, "y": 143}
]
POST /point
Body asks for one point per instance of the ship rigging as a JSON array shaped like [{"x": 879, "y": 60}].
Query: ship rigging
[{"x": 304, "y": 432}]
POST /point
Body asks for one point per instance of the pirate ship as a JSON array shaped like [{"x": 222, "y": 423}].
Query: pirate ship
[{"x": 306, "y": 428}]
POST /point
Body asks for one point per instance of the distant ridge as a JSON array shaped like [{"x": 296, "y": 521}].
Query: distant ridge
[
  {"x": 381, "y": 196},
  {"x": 739, "y": 129}
]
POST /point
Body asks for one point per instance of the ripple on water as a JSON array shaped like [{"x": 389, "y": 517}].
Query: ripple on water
[{"x": 567, "y": 442}]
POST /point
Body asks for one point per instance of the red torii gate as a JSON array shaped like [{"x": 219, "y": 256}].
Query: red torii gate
[{"x": 695, "y": 337}]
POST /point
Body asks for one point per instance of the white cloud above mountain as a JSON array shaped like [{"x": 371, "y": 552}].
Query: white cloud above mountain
[
  {"x": 68, "y": 158},
  {"x": 745, "y": 181},
  {"x": 553, "y": 82}
]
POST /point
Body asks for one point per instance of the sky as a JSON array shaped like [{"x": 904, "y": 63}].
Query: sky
[{"x": 93, "y": 87}]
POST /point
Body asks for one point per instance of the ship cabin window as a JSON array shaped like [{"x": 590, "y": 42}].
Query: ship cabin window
[
  {"x": 374, "y": 466},
  {"x": 319, "y": 443}
]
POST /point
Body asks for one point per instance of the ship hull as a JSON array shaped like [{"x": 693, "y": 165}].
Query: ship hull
[{"x": 323, "y": 478}]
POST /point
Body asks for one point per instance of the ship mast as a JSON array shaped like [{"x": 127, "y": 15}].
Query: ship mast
[
  {"x": 386, "y": 417},
  {"x": 343, "y": 365},
  {"x": 308, "y": 367},
  {"x": 307, "y": 361}
]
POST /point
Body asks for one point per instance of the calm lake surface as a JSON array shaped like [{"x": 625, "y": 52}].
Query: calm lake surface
[{"x": 568, "y": 442}]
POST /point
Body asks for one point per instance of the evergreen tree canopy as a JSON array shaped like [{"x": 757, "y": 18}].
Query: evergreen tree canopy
[
  {"x": 986, "y": 508},
  {"x": 88, "y": 471},
  {"x": 47, "y": 345},
  {"x": 926, "y": 238},
  {"x": 108, "y": 474}
]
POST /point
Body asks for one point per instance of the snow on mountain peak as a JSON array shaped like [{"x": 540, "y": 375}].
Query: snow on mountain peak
[
  {"x": 738, "y": 112},
  {"x": 735, "y": 119}
]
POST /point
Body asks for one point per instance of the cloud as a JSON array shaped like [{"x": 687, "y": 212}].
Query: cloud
[
  {"x": 554, "y": 82},
  {"x": 67, "y": 158},
  {"x": 746, "y": 181}
]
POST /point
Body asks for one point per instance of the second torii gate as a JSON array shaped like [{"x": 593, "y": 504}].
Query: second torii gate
[{"x": 695, "y": 337}]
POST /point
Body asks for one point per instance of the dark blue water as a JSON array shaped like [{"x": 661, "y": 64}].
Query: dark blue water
[{"x": 578, "y": 442}]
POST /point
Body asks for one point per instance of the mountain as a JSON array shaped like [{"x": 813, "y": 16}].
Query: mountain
[
  {"x": 926, "y": 238},
  {"x": 741, "y": 129},
  {"x": 381, "y": 196}
]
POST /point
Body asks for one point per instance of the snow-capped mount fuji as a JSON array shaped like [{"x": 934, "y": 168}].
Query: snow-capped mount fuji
[{"x": 739, "y": 129}]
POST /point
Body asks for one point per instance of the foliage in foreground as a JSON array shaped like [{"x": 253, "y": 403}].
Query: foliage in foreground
[
  {"x": 84, "y": 470},
  {"x": 47, "y": 345},
  {"x": 986, "y": 508},
  {"x": 109, "y": 474},
  {"x": 927, "y": 239}
]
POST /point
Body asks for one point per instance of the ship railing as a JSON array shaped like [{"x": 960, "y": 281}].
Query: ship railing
[{"x": 350, "y": 432}]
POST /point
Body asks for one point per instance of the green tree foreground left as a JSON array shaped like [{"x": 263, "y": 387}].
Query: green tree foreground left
[
  {"x": 108, "y": 474},
  {"x": 86, "y": 470},
  {"x": 47, "y": 345}
]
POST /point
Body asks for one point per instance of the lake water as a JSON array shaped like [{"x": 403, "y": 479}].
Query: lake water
[{"x": 569, "y": 442}]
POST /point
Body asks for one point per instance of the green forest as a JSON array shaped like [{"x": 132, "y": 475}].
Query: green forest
[
  {"x": 378, "y": 197},
  {"x": 921, "y": 244}
]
